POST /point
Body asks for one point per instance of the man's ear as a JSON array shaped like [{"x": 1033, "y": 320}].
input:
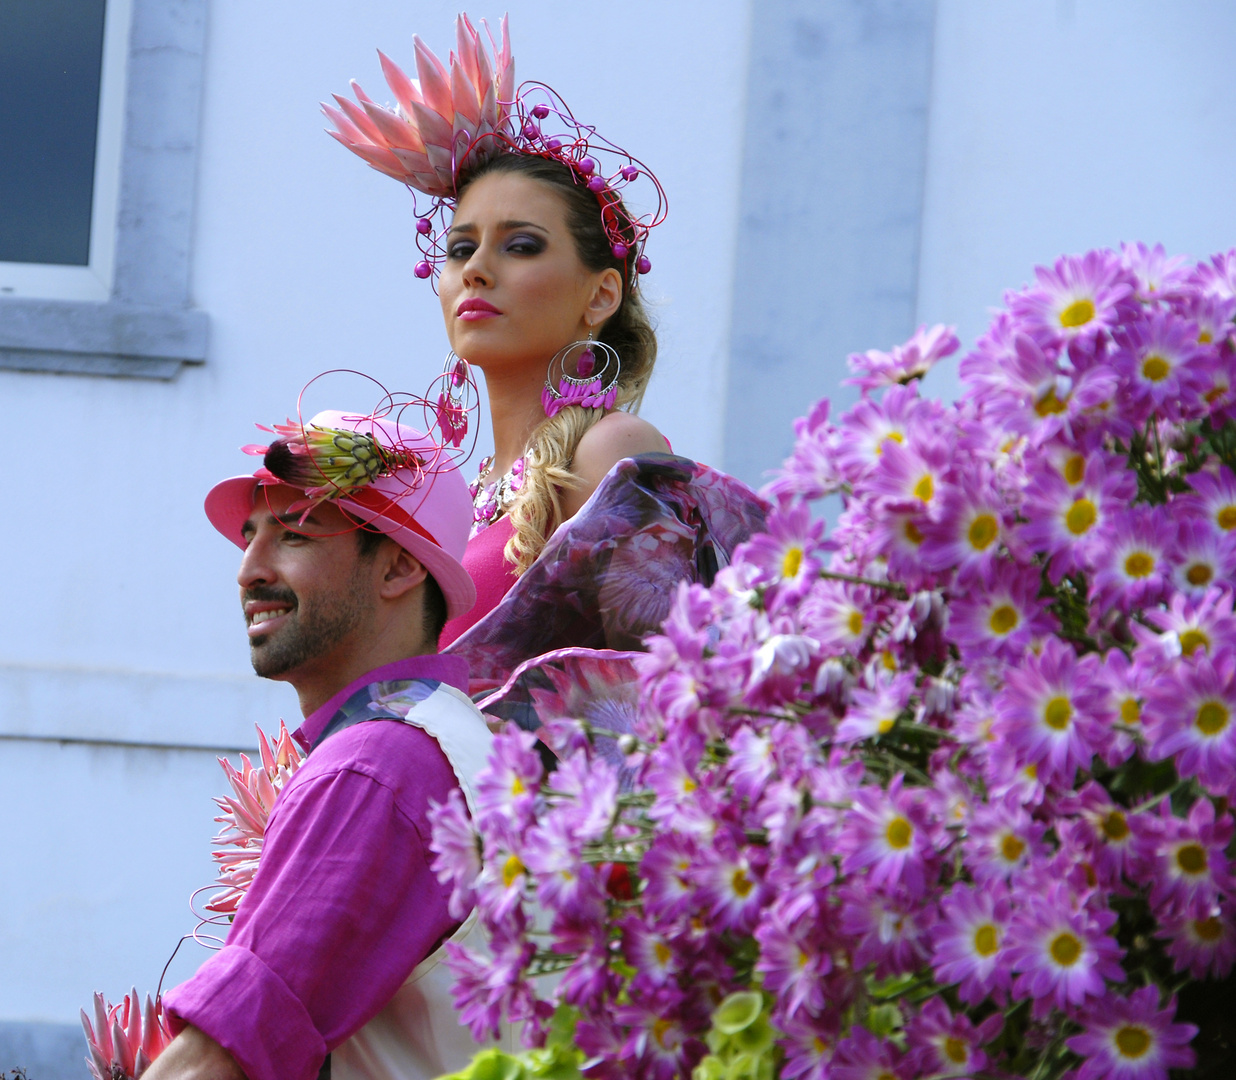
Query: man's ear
[{"x": 402, "y": 572}]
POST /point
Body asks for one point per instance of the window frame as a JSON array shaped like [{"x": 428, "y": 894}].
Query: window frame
[{"x": 139, "y": 320}]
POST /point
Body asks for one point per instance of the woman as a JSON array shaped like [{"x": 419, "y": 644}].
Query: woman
[{"x": 539, "y": 270}]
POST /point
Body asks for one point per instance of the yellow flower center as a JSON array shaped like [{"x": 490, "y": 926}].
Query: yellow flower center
[
  {"x": 1199, "y": 574},
  {"x": 956, "y": 1050},
  {"x": 1057, "y": 713},
  {"x": 740, "y": 883},
  {"x": 886, "y": 725},
  {"x": 792, "y": 562},
  {"x": 895, "y": 436},
  {"x": 1004, "y": 619},
  {"x": 1205, "y": 337},
  {"x": 1081, "y": 516},
  {"x": 1226, "y": 518},
  {"x": 1130, "y": 711},
  {"x": 888, "y": 660},
  {"x": 1208, "y": 929},
  {"x": 517, "y": 786},
  {"x": 1074, "y": 469},
  {"x": 856, "y": 622},
  {"x": 1065, "y": 949},
  {"x": 1212, "y": 718},
  {"x": 1139, "y": 564},
  {"x": 899, "y": 833},
  {"x": 1115, "y": 825},
  {"x": 1155, "y": 368},
  {"x": 1192, "y": 640},
  {"x": 986, "y": 940},
  {"x": 912, "y": 533},
  {"x": 662, "y": 952},
  {"x": 925, "y": 488},
  {"x": 1191, "y": 858},
  {"x": 983, "y": 532},
  {"x": 1011, "y": 847},
  {"x": 659, "y": 1028},
  {"x": 1133, "y": 1041},
  {"x": 511, "y": 869},
  {"x": 1078, "y": 313},
  {"x": 1049, "y": 404}
]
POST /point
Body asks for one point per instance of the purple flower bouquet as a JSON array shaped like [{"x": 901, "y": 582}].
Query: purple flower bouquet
[{"x": 945, "y": 793}]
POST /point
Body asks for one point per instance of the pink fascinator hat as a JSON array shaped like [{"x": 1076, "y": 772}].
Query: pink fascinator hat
[{"x": 384, "y": 474}]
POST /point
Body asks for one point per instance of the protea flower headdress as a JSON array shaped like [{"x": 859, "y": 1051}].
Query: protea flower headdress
[{"x": 453, "y": 118}]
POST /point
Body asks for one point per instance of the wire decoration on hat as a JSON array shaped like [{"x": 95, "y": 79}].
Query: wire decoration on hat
[
  {"x": 451, "y": 119},
  {"x": 330, "y": 463}
]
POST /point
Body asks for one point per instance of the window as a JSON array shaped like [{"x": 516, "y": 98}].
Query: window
[
  {"x": 62, "y": 75},
  {"x": 99, "y": 106}
]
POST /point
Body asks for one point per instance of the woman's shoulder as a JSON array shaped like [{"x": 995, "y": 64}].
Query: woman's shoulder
[{"x": 612, "y": 438}]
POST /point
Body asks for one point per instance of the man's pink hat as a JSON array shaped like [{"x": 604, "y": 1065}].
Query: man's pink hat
[{"x": 423, "y": 504}]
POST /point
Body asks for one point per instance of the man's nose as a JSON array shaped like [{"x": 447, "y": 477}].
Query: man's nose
[{"x": 255, "y": 567}]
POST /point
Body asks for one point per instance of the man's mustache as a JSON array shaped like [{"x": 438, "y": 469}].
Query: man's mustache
[{"x": 265, "y": 593}]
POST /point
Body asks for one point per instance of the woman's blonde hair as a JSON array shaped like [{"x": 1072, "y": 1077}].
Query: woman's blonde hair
[{"x": 550, "y": 453}]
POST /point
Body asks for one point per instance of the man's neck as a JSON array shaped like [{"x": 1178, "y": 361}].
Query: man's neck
[{"x": 316, "y": 687}]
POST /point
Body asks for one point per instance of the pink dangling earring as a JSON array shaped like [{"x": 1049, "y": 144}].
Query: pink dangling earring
[
  {"x": 457, "y": 398},
  {"x": 589, "y": 387}
]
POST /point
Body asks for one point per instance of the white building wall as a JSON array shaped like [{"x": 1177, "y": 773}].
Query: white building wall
[
  {"x": 122, "y": 642},
  {"x": 1063, "y": 125}
]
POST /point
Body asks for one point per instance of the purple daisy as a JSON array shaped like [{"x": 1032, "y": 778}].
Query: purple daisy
[
  {"x": 968, "y": 533},
  {"x": 1049, "y": 711},
  {"x": 891, "y": 929},
  {"x": 1077, "y": 297},
  {"x": 1062, "y": 952},
  {"x": 1000, "y": 613},
  {"x": 1191, "y": 716},
  {"x": 887, "y": 833},
  {"x": 870, "y": 426},
  {"x": 1132, "y": 1039},
  {"x": 1213, "y": 498},
  {"x": 1132, "y": 569},
  {"x": 912, "y": 360},
  {"x": 873, "y": 712},
  {"x": 1158, "y": 362},
  {"x": 1203, "y": 946},
  {"x": 942, "y": 1044},
  {"x": 1218, "y": 277},
  {"x": 968, "y": 941},
  {"x": 1193, "y": 869},
  {"x": 1201, "y": 556},
  {"x": 864, "y": 1056},
  {"x": 1158, "y": 275}
]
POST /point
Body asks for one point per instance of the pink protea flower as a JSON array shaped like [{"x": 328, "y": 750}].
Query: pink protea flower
[
  {"x": 969, "y": 939},
  {"x": 1132, "y": 1039},
  {"x": 906, "y": 362},
  {"x": 1078, "y": 297},
  {"x": 888, "y": 833},
  {"x": 1049, "y": 711},
  {"x": 1191, "y": 716},
  {"x": 441, "y": 119},
  {"x": 124, "y": 1039},
  {"x": 245, "y": 814},
  {"x": 1062, "y": 951}
]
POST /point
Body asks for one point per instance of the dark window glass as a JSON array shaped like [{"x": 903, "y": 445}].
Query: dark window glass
[{"x": 51, "y": 56}]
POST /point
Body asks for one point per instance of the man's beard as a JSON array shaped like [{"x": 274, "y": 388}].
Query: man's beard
[{"x": 331, "y": 619}]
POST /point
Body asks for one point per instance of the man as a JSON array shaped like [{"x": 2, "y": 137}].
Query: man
[{"x": 352, "y": 540}]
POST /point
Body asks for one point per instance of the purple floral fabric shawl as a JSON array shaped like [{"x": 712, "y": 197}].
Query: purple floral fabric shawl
[{"x": 604, "y": 580}]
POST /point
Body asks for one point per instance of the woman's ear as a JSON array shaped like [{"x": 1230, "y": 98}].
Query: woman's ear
[
  {"x": 403, "y": 572},
  {"x": 606, "y": 297}
]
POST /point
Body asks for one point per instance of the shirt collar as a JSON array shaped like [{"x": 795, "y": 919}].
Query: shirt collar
[{"x": 452, "y": 670}]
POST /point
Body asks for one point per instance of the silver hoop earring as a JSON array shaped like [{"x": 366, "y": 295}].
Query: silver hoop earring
[{"x": 594, "y": 385}]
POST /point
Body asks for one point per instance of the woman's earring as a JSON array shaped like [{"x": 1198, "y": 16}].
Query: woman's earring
[
  {"x": 456, "y": 399},
  {"x": 591, "y": 387}
]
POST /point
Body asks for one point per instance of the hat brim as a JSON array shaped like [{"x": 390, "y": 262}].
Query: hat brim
[{"x": 230, "y": 502}]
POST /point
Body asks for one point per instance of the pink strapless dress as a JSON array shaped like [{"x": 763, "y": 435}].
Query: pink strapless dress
[{"x": 491, "y": 573}]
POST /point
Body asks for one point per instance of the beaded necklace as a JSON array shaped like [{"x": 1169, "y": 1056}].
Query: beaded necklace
[{"x": 490, "y": 501}]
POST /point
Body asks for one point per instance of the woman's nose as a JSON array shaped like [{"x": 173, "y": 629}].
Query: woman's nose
[{"x": 477, "y": 270}]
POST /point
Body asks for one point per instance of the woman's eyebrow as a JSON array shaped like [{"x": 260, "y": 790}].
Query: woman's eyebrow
[{"x": 468, "y": 227}]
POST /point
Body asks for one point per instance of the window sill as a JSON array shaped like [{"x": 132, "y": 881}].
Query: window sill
[{"x": 76, "y": 337}]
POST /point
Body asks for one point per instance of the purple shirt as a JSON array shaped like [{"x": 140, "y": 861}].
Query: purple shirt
[{"x": 344, "y": 904}]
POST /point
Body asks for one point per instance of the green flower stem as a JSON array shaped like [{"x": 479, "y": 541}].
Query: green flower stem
[{"x": 896, "y": 588}]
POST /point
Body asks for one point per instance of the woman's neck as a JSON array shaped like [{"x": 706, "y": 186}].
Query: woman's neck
[{"x": 515, "y": 409}]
